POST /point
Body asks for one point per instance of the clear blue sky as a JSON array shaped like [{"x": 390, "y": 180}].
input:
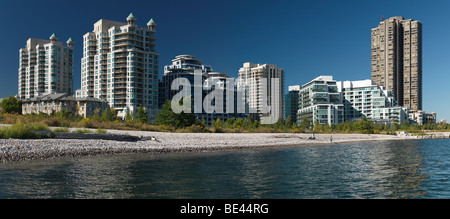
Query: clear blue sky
[{"x": 306, "y": 38}]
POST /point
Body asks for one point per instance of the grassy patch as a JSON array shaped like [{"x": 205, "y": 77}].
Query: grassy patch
[
  {"x": 83, "y": 131},
  {"x": 23, "y": 131},
  {"x": 61, "y": 129},
  {"x": 100, "y": 131}
]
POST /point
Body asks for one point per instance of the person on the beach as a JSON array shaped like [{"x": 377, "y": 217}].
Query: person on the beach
[{"x": 331, "y": 138}]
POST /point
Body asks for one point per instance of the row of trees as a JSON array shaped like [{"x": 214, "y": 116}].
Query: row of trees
[{"x": 168, "y": 118}]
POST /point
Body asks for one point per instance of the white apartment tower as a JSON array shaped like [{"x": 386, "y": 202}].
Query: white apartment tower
[
  {"x": 249, "y": 76},
  {"x": 45, "y": 67},
  {"x": 120, "y": 65}
]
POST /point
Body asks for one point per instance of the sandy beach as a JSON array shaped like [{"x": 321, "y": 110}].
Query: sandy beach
[{"x": 162, "y": 142}]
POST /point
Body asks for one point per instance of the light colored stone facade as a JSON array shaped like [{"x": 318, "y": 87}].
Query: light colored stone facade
[{"x": 53, "y": 103}]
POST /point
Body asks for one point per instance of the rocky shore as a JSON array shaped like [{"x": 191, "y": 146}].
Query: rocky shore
[{"x": 72, "y": 145}]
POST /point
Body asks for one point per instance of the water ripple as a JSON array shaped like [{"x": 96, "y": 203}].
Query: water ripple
[{"x": 373, "y": 170}]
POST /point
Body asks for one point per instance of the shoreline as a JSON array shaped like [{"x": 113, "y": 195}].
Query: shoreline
[{"x": 164, "y": 142}]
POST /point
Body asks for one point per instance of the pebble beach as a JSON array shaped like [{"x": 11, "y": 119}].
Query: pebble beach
[{"x": 163, "y": 142}]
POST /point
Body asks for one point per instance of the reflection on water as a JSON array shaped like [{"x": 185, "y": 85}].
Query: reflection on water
[{"x": 383, "y": 169}]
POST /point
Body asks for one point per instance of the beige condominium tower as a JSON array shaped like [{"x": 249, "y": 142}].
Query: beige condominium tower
[
  {"x": 45, "y": 67},
  {"x": 397, "y": 59},
  {"x": 257, "y": 92},
  {"x": 120, "y": 65}
]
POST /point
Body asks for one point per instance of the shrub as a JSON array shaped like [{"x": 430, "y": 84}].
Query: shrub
[
  {"x": 193, "y": 129},
  {"x": 52, "y": 121},
  {"x": 86, "y": 123}
]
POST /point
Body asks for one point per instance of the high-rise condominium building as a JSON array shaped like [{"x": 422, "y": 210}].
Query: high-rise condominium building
[
  {"x": 291, "y": 103},
  {"x": 45, "y": 67},
  {"x": 183, "y": 66},
  {"x": 397, "y": 59},
  {"x": 188, "y": 67},
  {"x": 249, "y": 76},
  {"x": 120, "y": 65}
]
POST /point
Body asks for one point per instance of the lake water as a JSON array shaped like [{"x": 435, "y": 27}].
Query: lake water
[{"x": 411, "y": 169}]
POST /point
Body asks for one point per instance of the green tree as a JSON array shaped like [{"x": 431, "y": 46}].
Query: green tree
[
  {"x": 11, "y": 105},
  {"x": 217, "y": 124},
  {"x": 255, "y": 124},
  {"x": 294, "y": 126},
  {"x": 63, "y": 114},
  {"x": 141, "y": 115},
  {"x": 238, "y": 123},
  {"x": 279, "y": 124},
  {"x": 201, "y": 123},
  {"x": 185, "y": 119},
  {"x": 128, "y": 115},
  {"x": 288, "y": 122},
  {"x": 167, "y": 117},
  {"x": 318, "y": 127},
  {"x": 248, "y": 122},
  {"x": 306, "y": 123},
  {"x": 229, "y": 123},
  {"x": 367, "y": 126},
  {"x": 394, "y": 126},
  {"x": 108, "y": 115},
  {"x": 404, "y": 126},
  {"x": 96, "y": 115}
]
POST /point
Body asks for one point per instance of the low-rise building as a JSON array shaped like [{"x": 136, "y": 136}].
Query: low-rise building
[
  {"x": 366, "y": 99},
  {"x": 419, "y": 117},
  {"x": 389, "y": 115},
  {"x": 87, "y": 106},
  {"x": 360, "y": 98},
  {"x": 53, "y": 103}
]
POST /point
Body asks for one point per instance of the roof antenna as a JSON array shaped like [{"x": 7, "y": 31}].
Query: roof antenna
[{"x": 382, "y": 18}]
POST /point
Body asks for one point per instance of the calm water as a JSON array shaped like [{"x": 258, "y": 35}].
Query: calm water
[{"x": 384, "y": 169}]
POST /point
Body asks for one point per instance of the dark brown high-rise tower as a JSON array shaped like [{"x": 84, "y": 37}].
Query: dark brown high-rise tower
[{"x": 397, "y": 59}]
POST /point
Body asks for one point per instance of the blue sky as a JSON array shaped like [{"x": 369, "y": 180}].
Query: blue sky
[{"x": 306, "y": 38}]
